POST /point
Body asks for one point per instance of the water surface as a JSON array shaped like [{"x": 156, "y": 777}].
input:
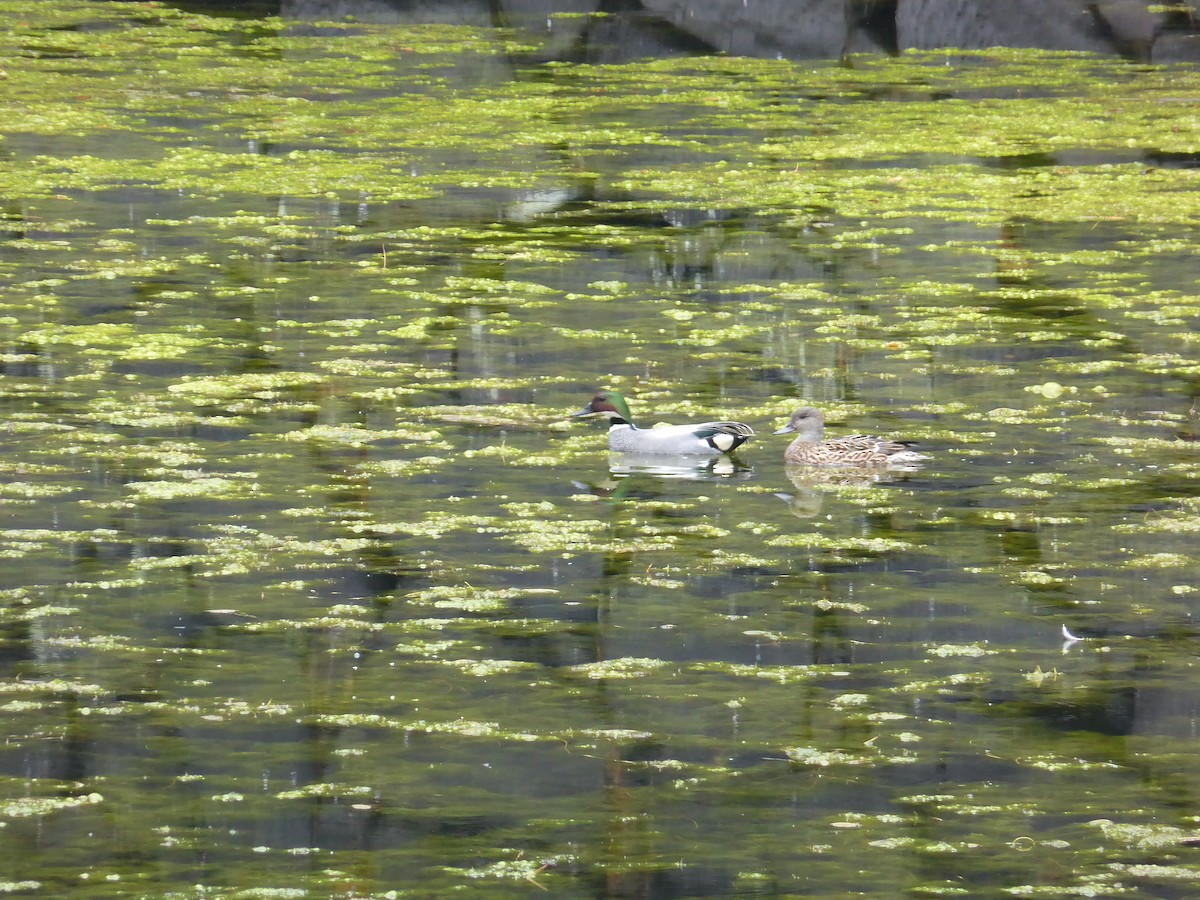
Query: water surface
[{"x": 311, "y": 586}]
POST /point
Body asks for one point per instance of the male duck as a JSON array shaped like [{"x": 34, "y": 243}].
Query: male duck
[
  {"x": 863, "y": 450},
  {"x": 706, "y": 439}
]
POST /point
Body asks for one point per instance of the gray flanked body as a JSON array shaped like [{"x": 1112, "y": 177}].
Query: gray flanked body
[
  {"x": 705, "y": 439},
  {"x": 863, "y": 450}
]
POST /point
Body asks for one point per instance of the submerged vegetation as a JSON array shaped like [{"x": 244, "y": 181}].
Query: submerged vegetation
[{"x": 305, "y": 559}]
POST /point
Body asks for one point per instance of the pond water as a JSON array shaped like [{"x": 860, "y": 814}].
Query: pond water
[{"x": 311, "y": 586}]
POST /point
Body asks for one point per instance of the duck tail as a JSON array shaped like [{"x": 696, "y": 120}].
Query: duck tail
[{"x": 726, "y": 436}]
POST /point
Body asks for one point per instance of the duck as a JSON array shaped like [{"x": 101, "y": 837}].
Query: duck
[
  {"x": 862, "y": 450},
  {"x": 705, "y": 439}
]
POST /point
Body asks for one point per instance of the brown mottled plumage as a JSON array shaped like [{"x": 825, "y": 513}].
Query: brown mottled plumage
[{"x": 864, "y": 450}]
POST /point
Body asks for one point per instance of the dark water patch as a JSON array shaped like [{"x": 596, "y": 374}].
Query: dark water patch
[
  {"x": 1172, "y": 160},
  {"x": 1108, "y": 712}
]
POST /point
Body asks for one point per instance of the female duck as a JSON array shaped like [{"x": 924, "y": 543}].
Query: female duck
[
  {"x": 863, "y": 450},
  {"x": 706, "y": 439}
]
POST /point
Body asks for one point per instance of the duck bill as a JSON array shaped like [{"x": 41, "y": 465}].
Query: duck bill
[
  {"x": 586, "y": 411},
  {"x": 786, "y": 429}
]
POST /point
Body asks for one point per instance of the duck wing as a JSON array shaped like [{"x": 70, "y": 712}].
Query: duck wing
[
  {"x": 868, "y": 449},
  {"x": 723, "y": 437},
  {"x": 854, "y": 442},
  {"x": 737, "y": 429},
  {"x": 870, "y": 443}
]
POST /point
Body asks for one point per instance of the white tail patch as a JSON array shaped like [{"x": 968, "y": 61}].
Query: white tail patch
[{"x": 721, "y": 441}]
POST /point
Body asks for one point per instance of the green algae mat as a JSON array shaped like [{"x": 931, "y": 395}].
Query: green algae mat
[{"x": 312, "y": 588}]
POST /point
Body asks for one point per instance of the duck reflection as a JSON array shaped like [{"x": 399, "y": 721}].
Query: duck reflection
[
  {"x": 640, "y": 474},
  {"x": 809, "y": 483},
  {"x": 688, "y": 468}
]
